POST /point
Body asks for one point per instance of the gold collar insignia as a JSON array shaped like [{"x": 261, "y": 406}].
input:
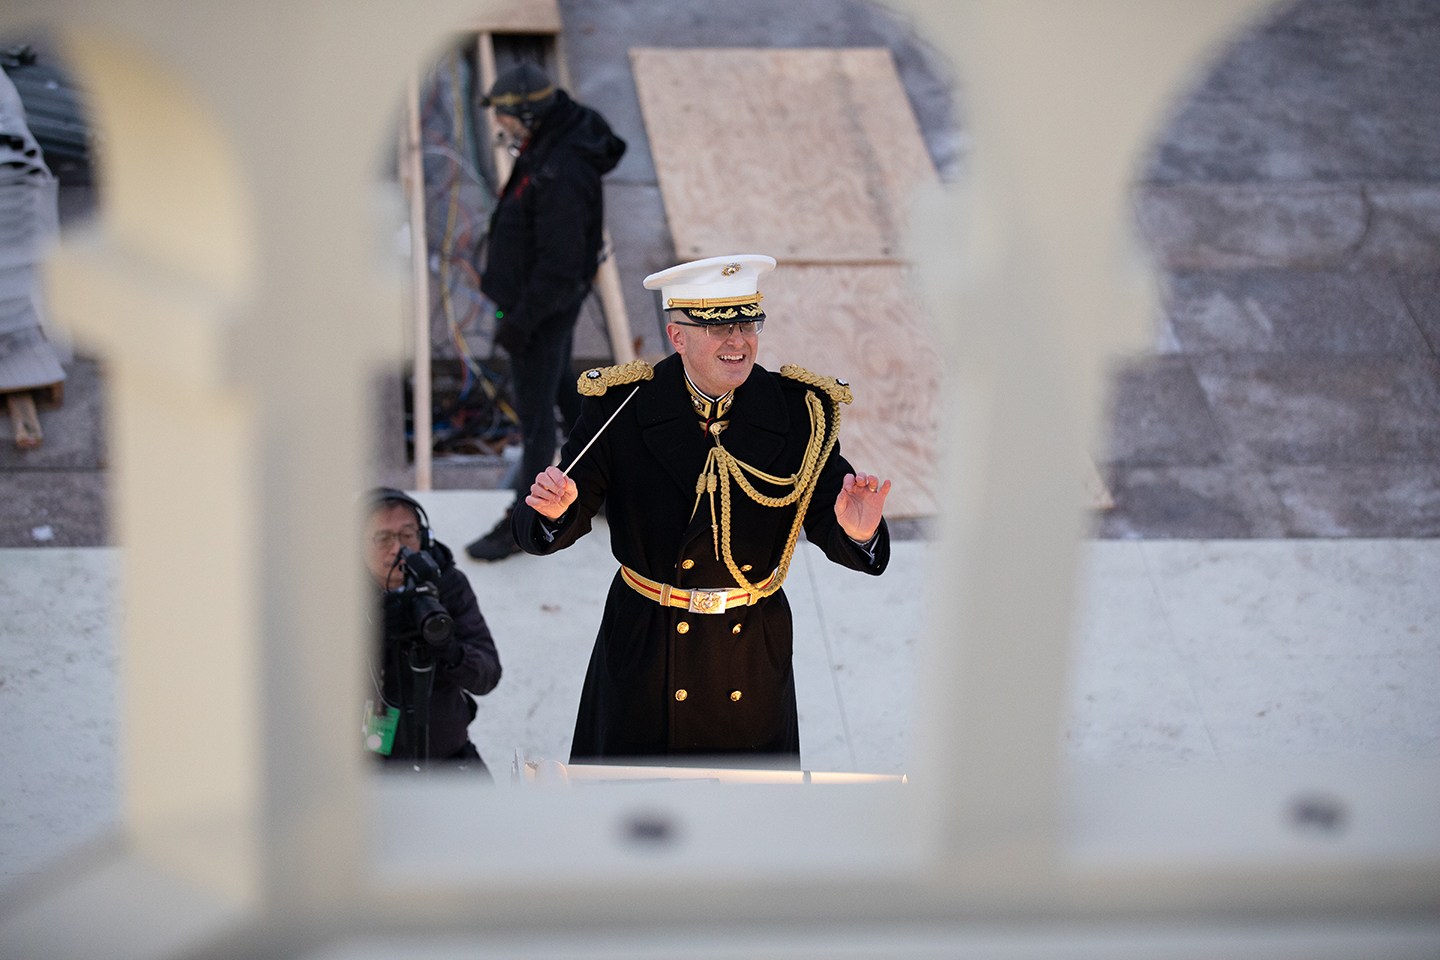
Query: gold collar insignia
[{"x": 708, "y": 408}]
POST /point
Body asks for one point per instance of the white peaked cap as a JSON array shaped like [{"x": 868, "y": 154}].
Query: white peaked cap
[{"x": 712, "y": 282}]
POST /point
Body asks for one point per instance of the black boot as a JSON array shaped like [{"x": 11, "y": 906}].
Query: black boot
[{"x": 499, "y": 543}]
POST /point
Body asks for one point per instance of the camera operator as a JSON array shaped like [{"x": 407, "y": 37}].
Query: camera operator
[{"x": 435, "y": 650}]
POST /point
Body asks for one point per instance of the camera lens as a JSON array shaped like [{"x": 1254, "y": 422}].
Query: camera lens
[{"x": 437, "y": 627}]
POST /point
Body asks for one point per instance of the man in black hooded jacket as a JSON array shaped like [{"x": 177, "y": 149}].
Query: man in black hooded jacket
[{"x": 542, "y": 253}]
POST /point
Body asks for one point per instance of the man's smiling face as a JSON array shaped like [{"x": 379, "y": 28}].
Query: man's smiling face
[{"x": 717, "y": 360}]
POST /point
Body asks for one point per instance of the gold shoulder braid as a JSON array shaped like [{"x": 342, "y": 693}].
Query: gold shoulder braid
[
  {"x": 721, "y": 469},
  {"x": 594, "y": 382},
  {"x": 838, "y": 390}
]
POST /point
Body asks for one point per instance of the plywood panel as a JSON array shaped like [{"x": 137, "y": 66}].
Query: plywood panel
[
  {"x": 517, "y": 16},
  {"x": 807, "y": 155},
  {"x": 862, "y": 324}
]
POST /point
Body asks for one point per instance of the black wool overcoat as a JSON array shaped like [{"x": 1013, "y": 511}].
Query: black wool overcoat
[{"x": 665, "y": 684}]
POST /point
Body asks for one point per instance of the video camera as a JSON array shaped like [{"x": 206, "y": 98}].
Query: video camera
[{"x": 414, "y": 611}]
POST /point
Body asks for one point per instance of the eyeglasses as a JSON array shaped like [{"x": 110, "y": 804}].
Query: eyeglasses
[
  {"x": 723, "y": 331},
  {"x": 385, "y": 539}
]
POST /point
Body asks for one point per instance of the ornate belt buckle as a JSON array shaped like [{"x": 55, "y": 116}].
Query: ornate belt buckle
[{"x": 708, "y": 601}]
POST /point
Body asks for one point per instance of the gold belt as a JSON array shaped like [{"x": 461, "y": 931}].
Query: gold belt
[{"x": 696, "y": 601}]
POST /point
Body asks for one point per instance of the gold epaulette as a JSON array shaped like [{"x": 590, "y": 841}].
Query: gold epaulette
[
  {"x": 595, "y": 381},
  {"x": 838, "y": 390}
]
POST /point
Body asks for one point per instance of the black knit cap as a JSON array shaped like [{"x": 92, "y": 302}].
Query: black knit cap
[{"x": 522, "y": 91}]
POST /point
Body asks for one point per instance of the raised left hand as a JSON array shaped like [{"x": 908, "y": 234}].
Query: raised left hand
[{"x": 861, "y": 505}]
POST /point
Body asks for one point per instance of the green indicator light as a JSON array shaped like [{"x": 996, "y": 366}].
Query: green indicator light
[{"x": 499, "y": 314}]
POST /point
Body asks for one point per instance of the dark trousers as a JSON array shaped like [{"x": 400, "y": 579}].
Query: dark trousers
[{"x": 541, "y": 379}]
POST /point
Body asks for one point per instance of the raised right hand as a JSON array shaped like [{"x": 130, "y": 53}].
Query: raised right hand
[{"x": 552, "y": 493}]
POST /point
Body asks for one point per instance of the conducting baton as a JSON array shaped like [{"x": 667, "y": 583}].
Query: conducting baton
[{"x": 566, "y": 471}]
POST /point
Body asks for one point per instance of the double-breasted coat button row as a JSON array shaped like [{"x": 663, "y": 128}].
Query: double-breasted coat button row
[
  {"x": 681, "y": 694},
  {"x": 683, "y": 627}
]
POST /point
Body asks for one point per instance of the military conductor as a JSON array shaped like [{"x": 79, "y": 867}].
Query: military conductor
[{"x": 708, "y": 467}]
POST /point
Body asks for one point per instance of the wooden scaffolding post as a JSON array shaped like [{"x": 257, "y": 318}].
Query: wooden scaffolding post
[
  {"x": 485, "y": 57},
  {"x": 612, "y": 303},
  {"x": 414, "y": 177}
]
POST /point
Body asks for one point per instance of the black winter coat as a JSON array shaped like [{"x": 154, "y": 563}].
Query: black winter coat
[
  {"x": 476, "y": 671},
  {"x": 734, "y": 668},
  {"x": 546, "y": 229}
]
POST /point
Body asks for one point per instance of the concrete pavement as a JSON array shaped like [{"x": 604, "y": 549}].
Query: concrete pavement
[{"x": 1196, "y": 654}]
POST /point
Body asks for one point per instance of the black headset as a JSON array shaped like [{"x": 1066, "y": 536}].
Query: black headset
[
  {"x": 524, "y": 93},
  {"x": 383, "y": 495}
]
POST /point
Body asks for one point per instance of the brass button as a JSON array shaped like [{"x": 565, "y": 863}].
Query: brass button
[
  {"x": 735, "y": 695},
  {"x": 745, "y": 568},
  {"x": 687, "y": 565},
  {"x": 735, "y": 629},
  {"x": 681, "y": 694},
  {"x": 682, "y": 627}
]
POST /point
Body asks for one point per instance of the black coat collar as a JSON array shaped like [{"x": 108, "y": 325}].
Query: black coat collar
[{"x": 759, "y": 423}]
